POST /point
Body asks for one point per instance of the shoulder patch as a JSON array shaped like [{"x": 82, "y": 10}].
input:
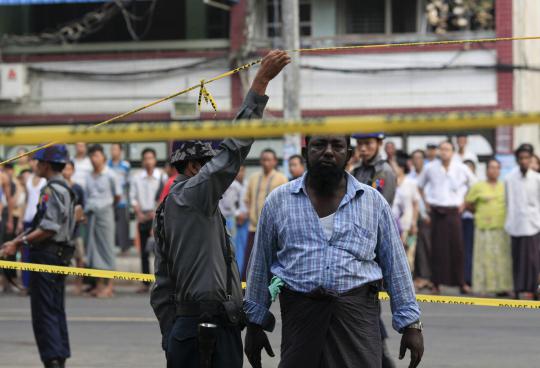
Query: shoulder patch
[{"x": 47, "y": 190}]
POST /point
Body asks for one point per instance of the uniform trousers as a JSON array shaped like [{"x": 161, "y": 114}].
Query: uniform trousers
[
  {"x": 47, "y": 299},
  {"x": 183, "y": 346}
]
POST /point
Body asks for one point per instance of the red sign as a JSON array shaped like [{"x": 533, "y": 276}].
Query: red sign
[{"x": 12, "y": 74}]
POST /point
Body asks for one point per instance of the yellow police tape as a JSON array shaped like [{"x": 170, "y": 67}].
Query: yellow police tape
[
  {"x": 393, "y": 123},
  {"x": 203, "y": 91},
  {"x": 131, "y": 276},
  {"x": 75, "y": 271}
]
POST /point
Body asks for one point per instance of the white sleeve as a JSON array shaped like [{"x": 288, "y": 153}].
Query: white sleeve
[{"x": 422, "y": 179}]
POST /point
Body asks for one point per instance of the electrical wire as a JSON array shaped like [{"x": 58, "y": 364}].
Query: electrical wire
[
  {"x": 129, "y": 18},
  {"x": 120, "y": 76},
  {"x": 70, "y": 32},
  {"x": 498, "y": 67},
  {"x": 87, "y": 25}
]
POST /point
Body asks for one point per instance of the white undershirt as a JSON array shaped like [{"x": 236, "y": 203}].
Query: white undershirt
[
  {"x": 328, "y": 225},
  {"x": 32, "y": 200}
]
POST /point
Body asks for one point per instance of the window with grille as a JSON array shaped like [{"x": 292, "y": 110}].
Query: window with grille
[
  {"x": 404, "y": 16},
  {"x": 274, "y": 20},
  {"x": 365, "y": 16},
  {"x": 381, "y": 16}
]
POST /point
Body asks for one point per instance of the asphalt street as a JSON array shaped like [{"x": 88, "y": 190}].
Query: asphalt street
[{"x": 122, "y": 332}]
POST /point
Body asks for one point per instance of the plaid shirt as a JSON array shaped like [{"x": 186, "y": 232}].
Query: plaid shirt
[{"x": 290, "y": 243}]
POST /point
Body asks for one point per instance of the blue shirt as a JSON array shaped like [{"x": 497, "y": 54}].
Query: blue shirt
[
  {"x": 121, "y": 169},
  {"x": 290, "y": 243}
]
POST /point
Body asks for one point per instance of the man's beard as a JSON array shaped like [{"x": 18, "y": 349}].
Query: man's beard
[{"x": 324, "y": 179}]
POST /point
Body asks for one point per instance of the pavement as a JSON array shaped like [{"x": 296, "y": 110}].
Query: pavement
[{"x": 122, "y": 332}]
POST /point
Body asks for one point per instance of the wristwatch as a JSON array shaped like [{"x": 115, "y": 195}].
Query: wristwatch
[
  {"x": 25, "y": 241},
  {"x": 416, "y": 325}
]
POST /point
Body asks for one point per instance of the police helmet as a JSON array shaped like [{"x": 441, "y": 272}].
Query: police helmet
[{"x": 57, "y": 153}]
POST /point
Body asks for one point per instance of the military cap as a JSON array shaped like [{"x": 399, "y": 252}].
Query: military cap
[
  {"x": 379, "y": 136},
  {"x": 192, "y": 150}
]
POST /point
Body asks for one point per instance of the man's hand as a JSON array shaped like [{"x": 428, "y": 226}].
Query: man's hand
[
  {"x": 272, "y": 64},
  {"x": 413, "y": 340},
  {"x": 140, "y": 217},
  {"x": 9, "y": 226},
  {"x": 20, "y": 228},
  {"x": 414, "y": 229},
  {"x": 256, "y": 340},
  {"x": 241, "y": 219},
  {"x": 9, "y": 248}
]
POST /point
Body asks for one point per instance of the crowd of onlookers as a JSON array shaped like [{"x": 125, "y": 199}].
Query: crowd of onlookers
[
  {"x": 482, "y": 236},
  {"x": 108, "y": 190}
]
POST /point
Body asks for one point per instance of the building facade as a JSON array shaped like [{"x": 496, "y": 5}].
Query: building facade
[{"x": 108, "y": 73}]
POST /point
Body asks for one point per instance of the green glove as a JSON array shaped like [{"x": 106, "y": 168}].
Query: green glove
[
  {"x": 275, "y": 287},
  {"x": 411, "y": 241}
]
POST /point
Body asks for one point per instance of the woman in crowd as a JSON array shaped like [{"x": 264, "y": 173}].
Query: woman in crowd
[
  {"x": 405, "y": 207},
  {"x": 492, "y": 258}
]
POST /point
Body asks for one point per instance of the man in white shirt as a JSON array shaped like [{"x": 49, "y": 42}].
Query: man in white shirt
[
  {"x": 145, "y": 191},
  {"x": 422, "y": 259},
  {"x": 233, "y": 207},
  {"x": 431, "y": 152},
  {"x": 450, "y": 181},
  {"x": 523, "y": 221},
  {"x": 463, "y": 153},
  {"x": 83, "y": 165}
]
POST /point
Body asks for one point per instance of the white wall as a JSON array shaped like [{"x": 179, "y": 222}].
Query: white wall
[
  {"x": 403, "y": 89},
  {"x": 62, "y": 94},
  {"x": 527, "y": 84}
]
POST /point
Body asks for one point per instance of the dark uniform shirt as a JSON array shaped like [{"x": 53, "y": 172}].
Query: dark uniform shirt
[
  {"x": 378, "y": 174},
  {"x": 190, "y": 266},
  {"x": 57, "y": 211}
]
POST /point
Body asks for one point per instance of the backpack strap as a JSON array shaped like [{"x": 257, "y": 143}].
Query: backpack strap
[{"x": 65, "y": 186}]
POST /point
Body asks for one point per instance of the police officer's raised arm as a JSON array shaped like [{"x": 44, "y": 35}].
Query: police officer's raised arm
[{"x": 207, "y": 187}]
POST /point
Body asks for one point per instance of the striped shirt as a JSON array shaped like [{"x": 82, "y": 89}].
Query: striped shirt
[{"x": 291, "y": 244}]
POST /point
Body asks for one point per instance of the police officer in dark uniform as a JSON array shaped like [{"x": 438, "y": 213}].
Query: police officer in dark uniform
[
  {"x": 50, "y": 240},
  {"x": 197, "y": 296},
  {"x": 373, "y": 170}
]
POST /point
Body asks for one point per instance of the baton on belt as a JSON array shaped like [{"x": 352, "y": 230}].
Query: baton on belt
[{"x": 207, "y": 343}]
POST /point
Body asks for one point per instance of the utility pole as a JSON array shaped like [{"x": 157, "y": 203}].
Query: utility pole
[{"x": 290, "y": 31}]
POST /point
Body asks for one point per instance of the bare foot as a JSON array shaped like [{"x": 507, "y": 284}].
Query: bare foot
[
  {"x": 143, "y": 289},
  {"x": 105, "y": 294},
  {"x": 465, "y": 289}
]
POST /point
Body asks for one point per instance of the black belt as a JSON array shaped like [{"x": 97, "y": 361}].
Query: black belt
[
  {"x": 62, "y": 250},
  {"x": 321, "y": 293},
  {"x": 198, "y": 309}
]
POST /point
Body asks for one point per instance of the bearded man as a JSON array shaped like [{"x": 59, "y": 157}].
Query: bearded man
[{"x": 329, "y": 241}]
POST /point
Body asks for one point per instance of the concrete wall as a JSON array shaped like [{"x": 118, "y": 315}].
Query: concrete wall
[{"x": 526, "y": 22}]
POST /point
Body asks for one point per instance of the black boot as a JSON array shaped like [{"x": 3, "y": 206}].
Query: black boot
[{"x": 55, "y": 363}]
